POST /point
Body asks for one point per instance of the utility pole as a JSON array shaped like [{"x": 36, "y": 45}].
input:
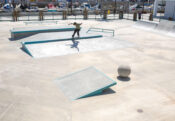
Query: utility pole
[
  {"x": 101, "y": 6},
  {"x": 115, "y": 7},
  {"x": 143, "y": 1}
]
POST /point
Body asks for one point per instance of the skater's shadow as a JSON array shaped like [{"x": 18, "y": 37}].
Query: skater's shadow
[{"x": 75, "y": 44}]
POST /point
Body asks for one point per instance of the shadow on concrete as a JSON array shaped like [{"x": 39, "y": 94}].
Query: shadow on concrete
[
  {"x": 15, "y": 39},
  {"x": 124, "y": 79},
  {"x": 10, "y": 39},
  {"x": 75, "y": 44},
  {"x": 107, "y": 91}
]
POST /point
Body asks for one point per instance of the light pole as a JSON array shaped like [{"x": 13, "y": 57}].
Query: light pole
[
  {"x": 155, "y": 8},
  {"x": 101, "y": 6},
  {"x": 143, "y": 1},
  {"x": 71, "y": 7}
]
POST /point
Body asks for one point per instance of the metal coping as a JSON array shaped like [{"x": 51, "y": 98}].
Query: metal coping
[
  {"x": 46, "y": 41},
  {"x": 102, "y": 30}
]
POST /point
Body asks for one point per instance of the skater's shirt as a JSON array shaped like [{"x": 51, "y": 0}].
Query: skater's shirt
[{"x": 77, "y": 26}]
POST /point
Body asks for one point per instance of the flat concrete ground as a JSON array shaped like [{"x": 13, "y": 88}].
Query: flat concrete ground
[{"x": 27, "y": 91}]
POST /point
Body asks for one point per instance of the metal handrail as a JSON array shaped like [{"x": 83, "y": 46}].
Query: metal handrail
[{"x": 102, "y": 30}]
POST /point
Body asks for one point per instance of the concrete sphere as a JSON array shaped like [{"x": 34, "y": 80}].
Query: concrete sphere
[{"x": 124, "y": 71}]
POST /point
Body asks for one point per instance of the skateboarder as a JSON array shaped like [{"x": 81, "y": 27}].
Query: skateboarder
[{"x": 77, "y": 29}]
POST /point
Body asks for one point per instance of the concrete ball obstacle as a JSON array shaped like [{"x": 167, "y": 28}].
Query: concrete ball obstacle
[{"x": 124, "y": 71}]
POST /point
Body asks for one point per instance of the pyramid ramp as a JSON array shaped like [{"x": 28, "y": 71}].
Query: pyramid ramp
[{"x": 84, "y": 83}]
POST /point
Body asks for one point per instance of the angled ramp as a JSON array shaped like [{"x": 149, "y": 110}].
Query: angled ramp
[
  {"x": 18, "y": 33},
  {"x": 163, "y": 27},
  {"x": 167, "y": 26},
  {"x": 84, "y": 83},
  {"x": 146, "y": 25}
]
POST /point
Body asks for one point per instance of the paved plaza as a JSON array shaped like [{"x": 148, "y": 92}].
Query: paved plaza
[{"x": 28, "y": 91}]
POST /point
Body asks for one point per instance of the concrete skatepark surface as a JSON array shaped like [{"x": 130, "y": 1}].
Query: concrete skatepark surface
[
  {"x": 84, "y": 83},
  {"x": 28, "y": 93}
]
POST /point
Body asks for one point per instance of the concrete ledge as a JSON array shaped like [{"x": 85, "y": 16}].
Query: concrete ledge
[
  {"x": 18, "y": 33},
  {"x": 65, "y": 39}
]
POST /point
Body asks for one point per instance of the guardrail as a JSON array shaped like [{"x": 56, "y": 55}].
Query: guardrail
[
  {"x": 102, "y": 30},
  {"x": 36, "y": 16}
]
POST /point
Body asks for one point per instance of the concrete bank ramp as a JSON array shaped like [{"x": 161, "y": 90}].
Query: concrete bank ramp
[
  {"x": 146, "y": 25},
  {"x": 167, "y": 26},
  {"x": 84, "y": 83},
  {"x": 18, "y": 33},
  {"x": 163, "y": 27}
]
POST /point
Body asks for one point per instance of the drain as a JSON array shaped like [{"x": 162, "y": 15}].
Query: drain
[{"x": 139, "y": 110}]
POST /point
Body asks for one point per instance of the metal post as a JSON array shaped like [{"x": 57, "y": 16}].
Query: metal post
[
  {"x": 115, "y": 9},
  {"x": 101, "y": 7},
  {"x": 143, "y": 6},
  {"x": 71, "y": 7}
]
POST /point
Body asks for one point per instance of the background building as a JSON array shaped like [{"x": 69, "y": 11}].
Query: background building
[{"x": 169, "y": 8}]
